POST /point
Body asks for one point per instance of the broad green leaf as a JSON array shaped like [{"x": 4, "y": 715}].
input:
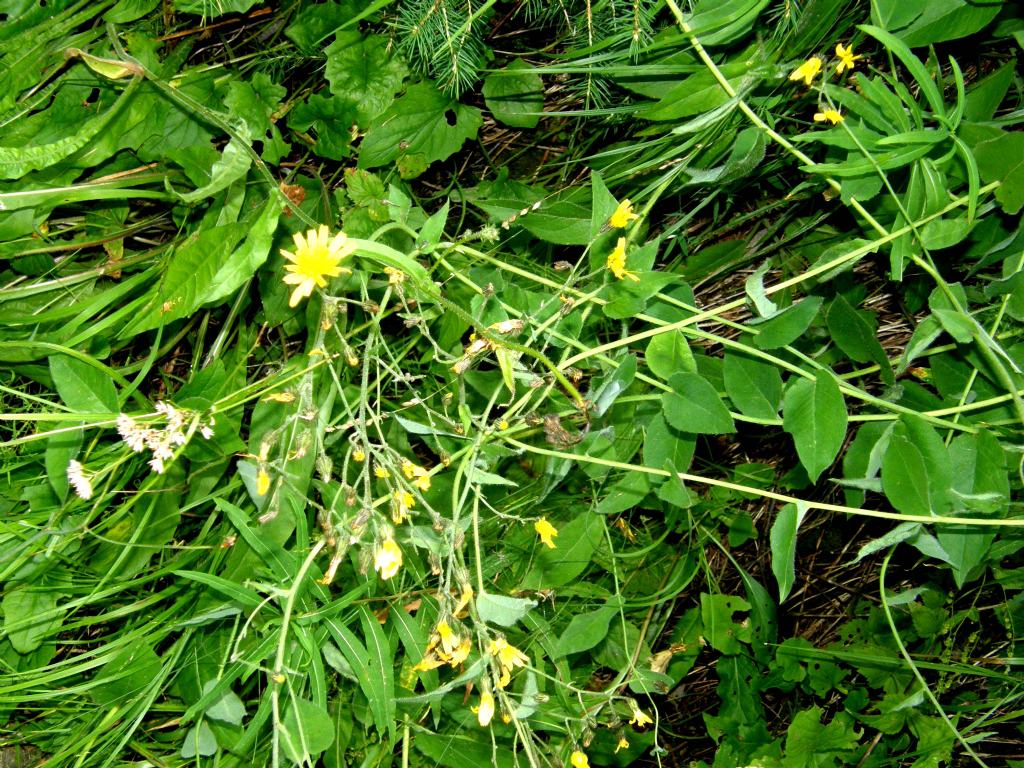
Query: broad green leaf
[
  {"x": 212, "y": 9},
  {"x": 754, "y": 285},
  {"x": 717, "y": 22},
  {"x": 562, "y": 218},
  {"x": 985, "y": 96},
  {"x": 694, "y": 406},
  {"x": 614, "y": 383},
  {"x": 84, "y": 388},
  {"x": 126, "y": 676},
  {"x": 423, "y": 122},
  {"x": 585, "y": 631},
  {"x": 60, "y": 450},
  {"x": 129, "y": 10},
  {"x": 313, "y": 23},
  {"x": 815, "y": 415},
  {"x": 433, "y": 229},
  {"x": 787, "y": 326},
  {"x": 723, "y": 633},
  {"x": 625, "y": 493},
  {"x": 665, "y": 446},
  {"x": 668, "y": 354},
  {"x": 306, "y": 730},
  {"x": 753, "y": 385},
  {"x": 1002, "y": 159},
  {"x": 331, "y": 120},
  {"x": 363, "y": 70},
  {"x": 697, "y": 94},
  {"x": 248, "y": 257},
  {"x": 501, "y": 610},
  {"x": 515, "y": 95},
  {"x": 199, "y": 741},
  {"x": 856, "y": 336},
  {"x": 917, "y": 69},
  {"x": 943, "y": 20},
  {"x": 905, "y": 477},
  {"x": 17, "y": 161},
  {"x": 783, "y": 542},
  {"x": 577, "y": 541},
  {"x": 228, "y": 708},
  {"x": 455, "y": 751},
  {"x": 26, "y": 619},
  {"x": 746, "y": 154},
  {"x": 189, "y": 276},
  {"x": 810, "y": 743}
]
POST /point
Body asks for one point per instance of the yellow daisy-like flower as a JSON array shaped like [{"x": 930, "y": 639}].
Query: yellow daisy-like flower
[
  {"x": 485, "y": 711},
  {"x": 315, "y": 259},
  {"x": 807, "y": 71},
  {"x": 262, "y": 482},
  {"x": 830, "y": 115},
  {"x": 622, "y": 216},
  {"x": 846, "y": 58},
  {"x": 617, "y": 262},
  {"x": 640, "y": 718},
  {"x": 546, "y": 531},
  {"x": 579, "y": 759},
  {"x": 387, "y": 559}
]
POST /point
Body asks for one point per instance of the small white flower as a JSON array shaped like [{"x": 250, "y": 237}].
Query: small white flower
[
  {"x": 78, "y": 479},
  {"x": 133, "y": 435},
  {"x": 206, "y": 432},
  {"x": 157, "y": 464}
]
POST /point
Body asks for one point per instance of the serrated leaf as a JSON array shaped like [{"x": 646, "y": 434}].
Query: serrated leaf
[
  {"x": 422, "y": 122},
  {"x": 694, "y": 406},
  {"x": 515, "y": 95},
  {"x": 363, "y": 70},
  {"x": 815, "y": 415}
]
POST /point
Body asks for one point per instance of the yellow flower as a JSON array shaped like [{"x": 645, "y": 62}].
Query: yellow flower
[
  {"x": 623, "y": 743},
  {"x": 395, "y": 276},
  {"x": 579, "y": 759},
  {"x": 622, "y": 215},
  {"x": 617, "y": 262},
  {"x": 846, "y": 58},
  {"x": 315, "y": 259},
  {"x": 485, "y": 711},
  {"x": 807, "y": 71},
  {"x": 428, "y": 662},
  {"x": 464, "y": 598},
  {"x": 262, "y": 482},
  {"x": 461, "y": 653},
  {"x": 449, "y": 639},
  {"x": 358, "y": 455},
  {"x": 640, "y": 718},
  {"x": 831, "y": 115},
  {"x": 503, "y": 425},
  {"x": 403, "y": 502},
  {"x": 508, "y": 655},
  {"x": 546, "y": 531},
  {"x": 381, "y": 472},
  {"x": 387, "y": 559}
]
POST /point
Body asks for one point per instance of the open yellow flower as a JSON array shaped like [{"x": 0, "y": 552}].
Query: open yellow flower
[
  {"x": 315, "y": 259},
  {"x": 546, "y": 531},
  {"x": 846, "y": 58},
  {"x": 508, "y": 655},
  {"x": 623, "y": 215},
  {"x": 830, "y": 115},
  {"x": 807, "y": 71},
  {"x": 617, "y": 262},
  {"x": 387, "y": 559},
  {"x": 460, "y": 654},
  {"x": 262, "y": 482},
  {"x": 579, "y": 759},
  {"x": 640, "y": 718}
]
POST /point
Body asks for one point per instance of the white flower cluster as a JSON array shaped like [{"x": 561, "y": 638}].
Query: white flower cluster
[
  {"x": 160, "y": 442},
  {"x": 79, "y": 479}
]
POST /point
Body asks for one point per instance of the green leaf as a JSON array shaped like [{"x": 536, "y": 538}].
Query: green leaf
[
  {"x": 1002, "y": 159},
  {"x": 126, "y": 676},
  {"x": 722, "y": 633},
  {"x": 787, "y": 326},
  {"x": 585, "y": 631},
  {"x": 694, "y": 406},
  {"x": 232, "y": 165},
  {"x": 905, "y": 477},
  {"x": 331, "y": 119},
  {"x": 200, "y": 740},
  {"x": 668, "y": 354},
  {"x": 613, "y": 384},
  {"x": 501, "y": 610},
  {"x": 717, "y": 22},
  {"x": 60, "y": 450},
  {"x": 84, "y": 388},
  {"x": 381, "y": 667},
  {"x": 129, "y": 10},
  {"x": 515, "y": 95},
  {"x": 562, "y": 218},
  {"x": 248, "y": 257},
  {"x": 913, "y": 64},
  {"x": 306, "y": 730},
  {"x": 422, "y": 122},
  {"x": 577, "y": 542},
  {"x": 433, "y": 229},
  {"x": 944, "y": 20},
  {"x": 856, "y": 336},
  {"x": 754, "y": 286},
  {"x": 815, "y": 415},
  {"x": 25, "y": 616},
  {"x": 783, "y": 542},
  {"x": 666, "y": 447},
  {"x": 753, "y": 385},
  {"x": 809, "y": 743},
  {"x": 362, "y": 70},
  {"x": 17, "y": 161},
  {"x": 315, "y": 22},
  {"x": 228, "y": 708}
]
